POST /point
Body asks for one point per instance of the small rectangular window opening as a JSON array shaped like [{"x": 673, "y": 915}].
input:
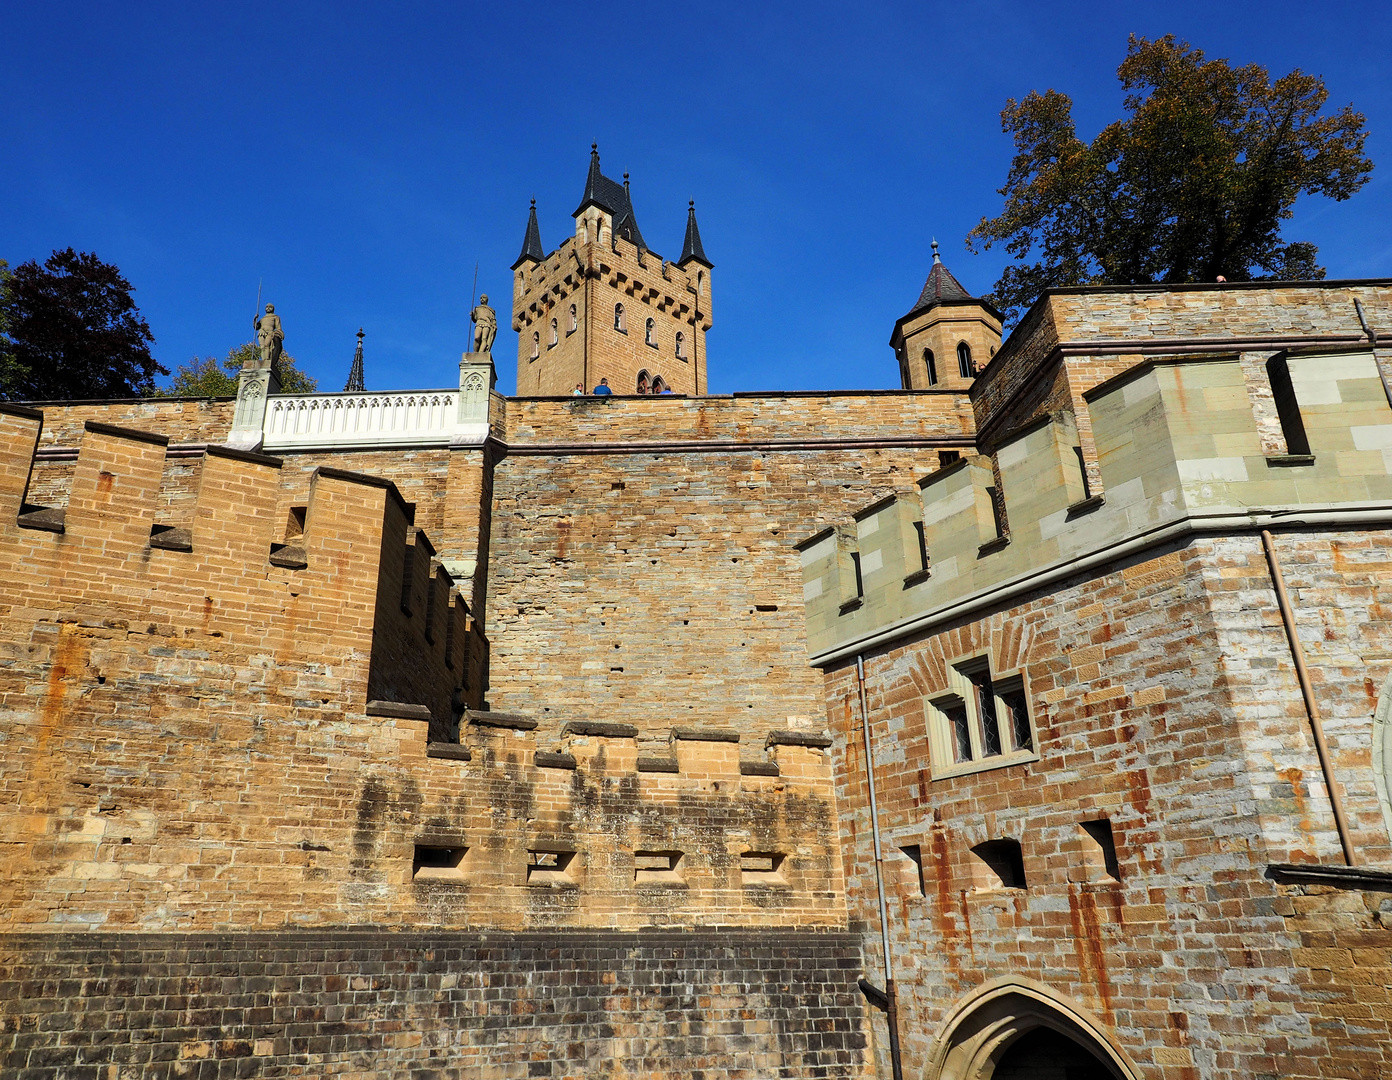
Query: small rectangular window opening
[
  {"x": 955, "y": 709},
  {"x": 295, "y": 522},
  {"x": 1101, "y": 850},
  {"x": 859, "y": 581},
  {"x": 436, "y": 863},
  {"x": 1287, "y": 407},
  {"x": 1082, "y": 471},
  {"x": 1011, "y": 695},
  {"x": 993, "y": 493},
  {"x": 549, "y": 867},
  {"x": 986, "y": 712},
  {"x": 914, "y": 853},
  {"x": 999, "y": 865},
  {"x": 948, "y": 457},
  {"x": 656, "y": 867},
  {"x": 762, "y": 868},
  {"x": 922, "y": 545}
]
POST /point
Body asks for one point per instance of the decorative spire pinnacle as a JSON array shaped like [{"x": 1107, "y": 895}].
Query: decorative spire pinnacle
[
  {"x": 692, "y": 251},
  {"x": 531, "y": 241},
  {"x": 937, "y": 259},
  {"x": 355, "y": 374}
]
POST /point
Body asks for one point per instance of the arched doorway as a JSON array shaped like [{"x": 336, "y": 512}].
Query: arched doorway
[
  {"x": 1017, "y": 1029},
  {"x": 1045, "y": 1054}
]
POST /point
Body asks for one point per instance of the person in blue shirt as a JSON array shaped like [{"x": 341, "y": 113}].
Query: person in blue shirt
[{"x": 603, "y": 388}]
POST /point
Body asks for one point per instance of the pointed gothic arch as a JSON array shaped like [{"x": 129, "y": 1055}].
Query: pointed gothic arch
[
  {"x": 643, "y": 381},
  {"x": 979, "y": 1034}
]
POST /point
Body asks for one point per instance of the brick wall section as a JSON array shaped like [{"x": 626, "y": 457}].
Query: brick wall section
[
  {"x": 1165, "y": 701},
  {"x": 594, "y": 554},
  {"x": 723, "y": 1005},
  {"x": 945, "y": 415},
  {"x": 191, "y": 742},
  {"x": 182, "y": 420}
]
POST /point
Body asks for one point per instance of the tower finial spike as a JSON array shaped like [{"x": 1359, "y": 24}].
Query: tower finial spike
[{"x": 936, "y": 257}]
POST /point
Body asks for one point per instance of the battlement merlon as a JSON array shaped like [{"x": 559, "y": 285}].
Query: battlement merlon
[
  {"x": 1183, "y": 444},
  {"x": 329, "y": 598}
]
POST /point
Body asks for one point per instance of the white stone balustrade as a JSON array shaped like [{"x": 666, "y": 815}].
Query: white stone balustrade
[{"x": 318, "y": 421}]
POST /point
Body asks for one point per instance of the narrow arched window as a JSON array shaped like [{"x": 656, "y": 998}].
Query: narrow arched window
[
  {"x": 965, "y": 368},
  {"x": 619, "y": 318},
  {"x": 536, "y": 344},
  {"x": 554, "y": 336},
  {"x": 700, "y": 282},
  {"x": 650, "y": 333},
  {"x": 931, "y": 364},
  {"x": 572, "y": 320},
  {"x": 681, "y": 345},
  {"x": 658, "y": 386},
  {"x": 642, "y": 382}
]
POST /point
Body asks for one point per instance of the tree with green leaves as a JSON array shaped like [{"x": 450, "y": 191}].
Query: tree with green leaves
[
  {"x": 71, "y": 330},
  {"x": 210, "y": 377},
  {"x": 1192, "y": 185},
  {"x": 8, "y": 370}
]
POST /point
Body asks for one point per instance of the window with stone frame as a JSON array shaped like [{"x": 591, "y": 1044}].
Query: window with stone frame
[
  {"x": 650, "y": 333},
  {"x": 981, "y": 720},
  {"x": 965, "y": 368},
  {"x": 536, "y": 344},
  {"x": 555, "y": 336},
  {"x": 573, "y": 325},
  {"x": 930, "y": 365},
  {"x": 619, "y": 319},
  {"x": 681, "y": 345}
]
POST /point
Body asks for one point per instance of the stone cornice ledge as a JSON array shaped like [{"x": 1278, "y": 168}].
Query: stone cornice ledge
[{"x": 1359, "y": 515}]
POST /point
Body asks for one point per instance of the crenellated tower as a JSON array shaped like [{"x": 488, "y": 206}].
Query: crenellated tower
[
  {"x": 603, "y": 305},
  {"x": 947, "y": 337}
]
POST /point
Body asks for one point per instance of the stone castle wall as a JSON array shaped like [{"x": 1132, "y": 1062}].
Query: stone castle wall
[
  {"x": 374, "y": 1005},
  {"x": 1165, "y": 702},
  {"x": 618, "y": 522}
]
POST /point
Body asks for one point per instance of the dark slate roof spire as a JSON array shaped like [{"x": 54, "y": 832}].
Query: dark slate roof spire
[
  {"x": 355, "y": 373},
  {"x": 940, "y": 286},
  {"x": 613, "y": 199},
  {"x": 691, "y": 246},
  {"x": 531, "y": 242}
]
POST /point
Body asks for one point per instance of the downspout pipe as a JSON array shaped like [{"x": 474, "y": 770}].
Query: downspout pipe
[
  {"x": 1373, "y": 341},
  {"x": 1307, "y": 692},
  {"x": 891, "y": 1006}
]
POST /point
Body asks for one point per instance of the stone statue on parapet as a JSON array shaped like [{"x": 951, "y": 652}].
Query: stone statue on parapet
[
  {"x": 270, "y": 338},
  {"x": 485, "y": 321}
]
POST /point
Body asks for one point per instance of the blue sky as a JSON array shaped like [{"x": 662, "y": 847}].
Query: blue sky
[{"x": 361, "y": 158}]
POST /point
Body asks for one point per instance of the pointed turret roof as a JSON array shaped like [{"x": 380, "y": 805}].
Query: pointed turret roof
[
  {"x": 940, "y": 286},
  {"x": 531, "y": 242},
  {"x": 692, "y": 251},
  {"x": 613, "y": 198}
]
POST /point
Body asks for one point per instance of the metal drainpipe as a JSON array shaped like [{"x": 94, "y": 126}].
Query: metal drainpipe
[
  {"x": 1307, "y": 691},
  {"x": 1373, "y": 341},
  {"x": 892, "y": 1009}
]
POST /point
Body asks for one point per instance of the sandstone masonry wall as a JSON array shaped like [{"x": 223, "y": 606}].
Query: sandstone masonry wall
[
  {"x": 455, "y": 1006},
  {"x": 1164, "y": 701}
]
